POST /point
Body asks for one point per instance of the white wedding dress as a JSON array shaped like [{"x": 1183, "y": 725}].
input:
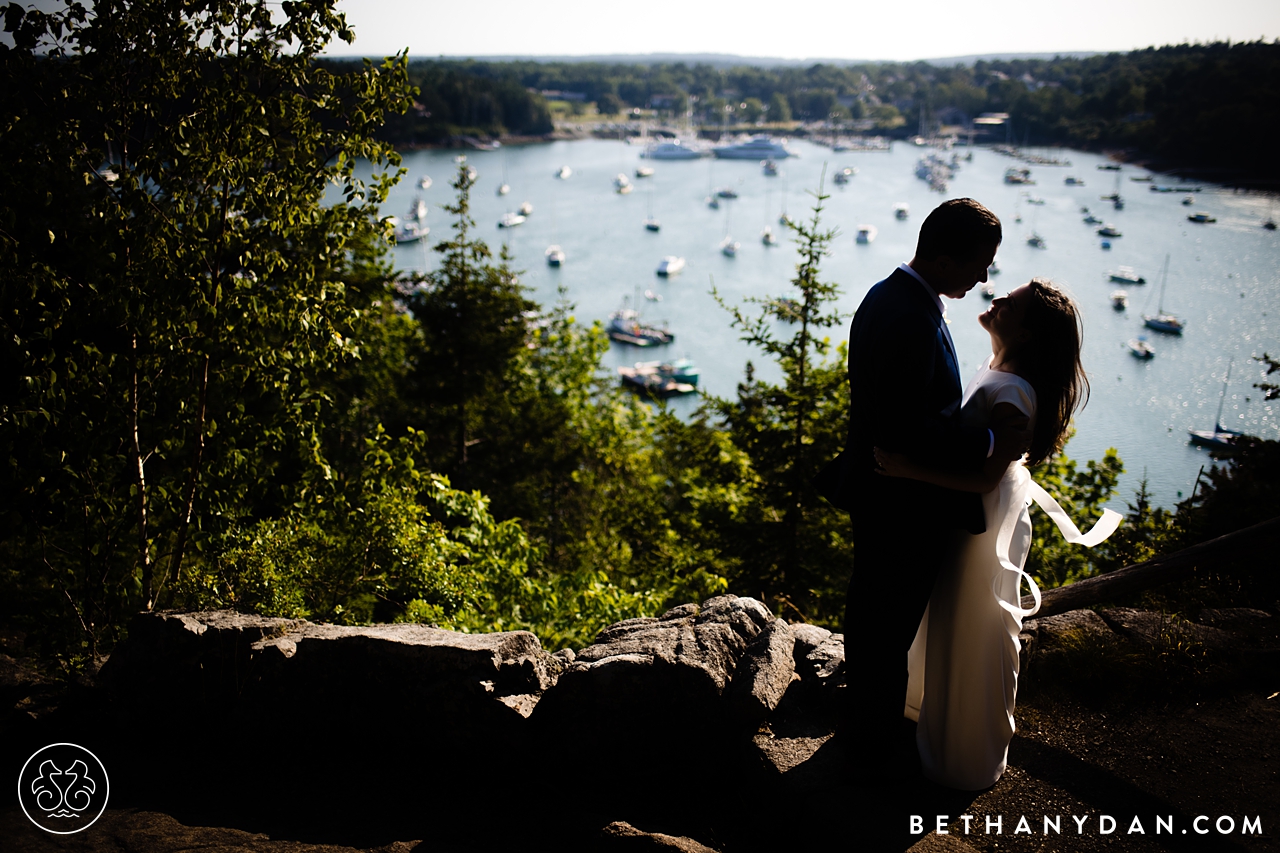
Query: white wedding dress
[{"x": 963, "y": 664}]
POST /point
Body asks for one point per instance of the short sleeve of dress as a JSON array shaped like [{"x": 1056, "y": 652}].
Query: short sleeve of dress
[{"x": 1016, "y": 391}]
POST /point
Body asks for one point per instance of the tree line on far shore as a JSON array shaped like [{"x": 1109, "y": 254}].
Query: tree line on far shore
[
  {"x": 215, "y": 391},
  {"x": 1206, "y": 105}
]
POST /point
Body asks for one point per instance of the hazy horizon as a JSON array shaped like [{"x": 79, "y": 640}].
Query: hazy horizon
[{"x": 929, "y": 30}]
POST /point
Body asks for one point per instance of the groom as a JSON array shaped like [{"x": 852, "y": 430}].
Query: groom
[{"x": 905, "y": 390}]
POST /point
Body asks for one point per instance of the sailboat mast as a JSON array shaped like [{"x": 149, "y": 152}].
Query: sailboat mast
[{"x": 1222, "y": 398}]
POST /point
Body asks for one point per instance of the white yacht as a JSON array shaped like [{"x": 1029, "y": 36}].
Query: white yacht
[
  {"x": 622, "y": 183},
  {"x": 670, "y": 265},
  {"x": 563, "y": 172},
  {"x": 526, "y": 208},
  {"x": 866, "y": 233},
  {"x": 758, "y": 148},
  {"x": 510, "y": 220},
  {"x": 674, "y": 150},
  {"x": 424, "y": 182}
]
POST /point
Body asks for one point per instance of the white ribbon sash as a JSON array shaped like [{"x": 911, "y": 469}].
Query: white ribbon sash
[{"x": 1102, "y": 528}]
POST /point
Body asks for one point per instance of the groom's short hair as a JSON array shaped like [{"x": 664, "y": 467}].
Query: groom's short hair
[{"x": 960, "y": 228}]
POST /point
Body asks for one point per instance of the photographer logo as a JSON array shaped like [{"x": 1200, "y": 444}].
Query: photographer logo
[{"x": 63, "y": 788}]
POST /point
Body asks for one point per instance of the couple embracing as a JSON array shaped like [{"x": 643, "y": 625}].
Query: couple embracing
[{"x": 934, "y": 477}]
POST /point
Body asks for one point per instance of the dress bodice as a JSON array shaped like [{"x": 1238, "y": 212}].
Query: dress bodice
[{"x": 989, "y": 387}]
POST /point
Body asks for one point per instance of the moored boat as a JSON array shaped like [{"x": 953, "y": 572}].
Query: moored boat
[
  {"x": 661, "y": 379},
  {"x": 555, "y": 256},
  {"x": 901, "y": 210},
  {"x": 644, "y": 171},
  {"x": 510, "y": 220},
  {"x": 670, "y": 265},
  {"x": 866, "y": 233},
  {"x": 1036, "y": 241},
  {"x": 1119, "y": 300},
  {"x": 1201, "y": 217},
  {"x": 757, "y": 148},
  {"x": 1126, "y": 275},
  {"x": 625, "y": 327},
  {"x": 1139, "y": 348},
  {"x": 1109, "y": 230}
]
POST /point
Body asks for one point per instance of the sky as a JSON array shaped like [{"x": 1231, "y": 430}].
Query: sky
[{"x": 799, "y": 29}]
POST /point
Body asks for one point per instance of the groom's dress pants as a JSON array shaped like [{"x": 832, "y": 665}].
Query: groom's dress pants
[{"x": 895, "y": 563}]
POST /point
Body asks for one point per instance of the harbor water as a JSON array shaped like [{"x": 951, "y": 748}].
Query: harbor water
[{"x": 1223, "y": 277}]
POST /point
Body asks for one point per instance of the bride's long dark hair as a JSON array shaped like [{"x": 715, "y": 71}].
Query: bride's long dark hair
[{"x": 1051, "y": 363}]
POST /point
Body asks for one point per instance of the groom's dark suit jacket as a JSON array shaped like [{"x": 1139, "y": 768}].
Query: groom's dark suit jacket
[{"x": 904, "y": 395}]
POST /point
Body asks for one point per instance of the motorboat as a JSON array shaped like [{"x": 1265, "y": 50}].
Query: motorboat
[
  {"x": 770, "y": 168},
  {"x": 1109, "y": 167},
  {"x": 1014, "y": 175},
  {"x": 1201, "y": 217},
  {"x": 510, "y": 220},
  {"x": 410, "y": 232},
  {"x": 713, "y": 202},
  {"x": 424, "y": 182},
  {"x": 526, "y": 209},
  {"x": 757, "y": 148},
  {"x": 1073, "y": 182},
  {"x": 1126, "y": 275},
  {"x": 622, "y": 184},
  {"x": 418, "y": 209},
  {"x": 670, "y": 265},
  {"x": 652, "y": 224},
  {"x": 1036, "y": 241},
  {"x": 503, "y": 189},
  {"x": 644, "y": 171},
  {"x": 1109, "y": 230},
  {"x": 727, "y": 192},
  {"x": 988, "y": 291},
  {"x": 994, "y": 269},
  {"x": 674, "y": 150},
  {"x": 767, "y": 237},
  {"x": 729, "y": 247},
  {"x": 625, "y": 327},
  {"x": 1139, "y": 348},
  {"x": 1162, "y": 321},
  {"x": 1188, "y": 200},
  {"x": 555, "y": 256},
  {"x": 1119, "y": 300},
  {"x": 652, "y": 296},
  {"x": 564, "y": 172},
  {"x": 1092, "y": 220},
  {"x": 842, "y": 176},
  {"x": 1036, "y": 200},
  {"x": 661, "y": 379},
  {"x": 866, "y": 233},
  {"x": 901, "y": 210}
]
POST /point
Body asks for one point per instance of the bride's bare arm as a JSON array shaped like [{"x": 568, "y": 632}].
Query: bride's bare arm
[{"x": 900, "y": 465}]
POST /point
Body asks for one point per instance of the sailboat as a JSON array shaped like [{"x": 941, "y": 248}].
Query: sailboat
[
  {"x": 651, "y": 222},
  {"x": 1218, "y": 437},
  {"x": 766, "y": 236},
  {"x": 1160, "y": 321},
  {"x": 728, "y": 246}
]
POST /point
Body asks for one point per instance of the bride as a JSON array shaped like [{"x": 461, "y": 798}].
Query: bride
[{"x": 964, "y": 662}]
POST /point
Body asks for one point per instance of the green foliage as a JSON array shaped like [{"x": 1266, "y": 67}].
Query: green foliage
[
  {"x": 174, "y": 278},
  {"x": 744, "y": 466}
]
